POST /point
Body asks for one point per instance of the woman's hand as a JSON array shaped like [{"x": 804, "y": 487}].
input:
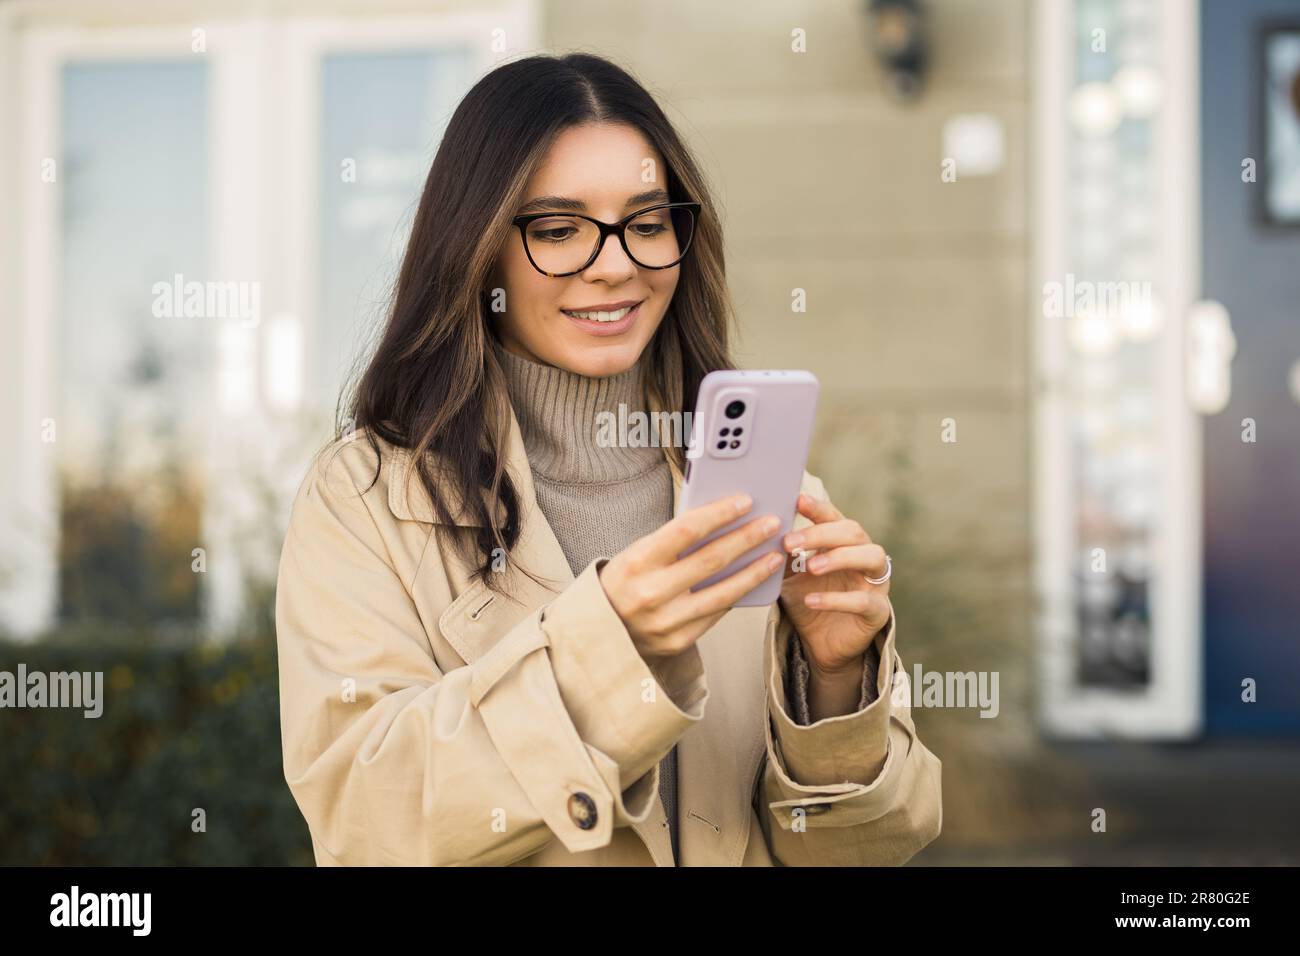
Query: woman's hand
[
  {"x": 830, "y": 603},
  {"x": 649, "y": 588}
]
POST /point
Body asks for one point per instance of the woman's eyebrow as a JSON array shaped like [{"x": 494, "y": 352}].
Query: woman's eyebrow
[{"x": 548, "y": 203}]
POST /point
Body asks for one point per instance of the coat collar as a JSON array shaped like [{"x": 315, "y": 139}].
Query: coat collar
[{"x": 477, "y": 617}]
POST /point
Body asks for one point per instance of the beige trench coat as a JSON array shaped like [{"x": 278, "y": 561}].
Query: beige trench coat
[{"x": 427, "y": 721}]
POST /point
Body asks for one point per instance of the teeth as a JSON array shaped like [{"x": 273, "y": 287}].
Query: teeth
[{"x": 601, "y": 316}]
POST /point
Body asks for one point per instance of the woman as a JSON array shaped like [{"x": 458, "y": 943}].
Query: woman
[{"x": 489, "y": 653}]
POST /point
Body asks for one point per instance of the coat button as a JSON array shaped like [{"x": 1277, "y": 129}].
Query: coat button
[
  {"x": 582, "y": 810},
  {"x": 814, "y": 808}
]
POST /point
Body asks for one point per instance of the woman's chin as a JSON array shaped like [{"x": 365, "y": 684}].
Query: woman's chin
[{"x": 602, "y": 357}]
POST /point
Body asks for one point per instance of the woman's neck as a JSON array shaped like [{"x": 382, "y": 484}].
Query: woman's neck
[{"x": 576, "y": 429}]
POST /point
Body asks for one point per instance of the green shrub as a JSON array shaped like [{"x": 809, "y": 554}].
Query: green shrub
[{"x": 184, "y": 727}]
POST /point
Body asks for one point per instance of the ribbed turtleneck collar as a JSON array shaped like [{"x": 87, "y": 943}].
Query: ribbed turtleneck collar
[{"x": 557, "y": 412}]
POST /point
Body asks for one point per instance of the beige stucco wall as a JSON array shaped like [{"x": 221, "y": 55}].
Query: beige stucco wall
[{"x": 916, "y": 300}]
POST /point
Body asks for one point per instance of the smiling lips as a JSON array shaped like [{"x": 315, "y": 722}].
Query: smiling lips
[
  {"x": 605, "y": 312},
  {"x": 608, "y": 319}
]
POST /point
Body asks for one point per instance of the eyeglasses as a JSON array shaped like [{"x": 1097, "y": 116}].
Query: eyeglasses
[{"x": 565, "y": 243}]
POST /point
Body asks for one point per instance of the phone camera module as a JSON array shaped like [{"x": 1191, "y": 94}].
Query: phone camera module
[{"x": 735, "y": 409}]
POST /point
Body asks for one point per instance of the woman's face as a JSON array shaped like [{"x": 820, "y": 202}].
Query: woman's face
[{"x": 600, "y": 166}]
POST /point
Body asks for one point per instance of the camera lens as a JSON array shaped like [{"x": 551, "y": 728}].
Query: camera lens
[{"x": 735, "y": 409}]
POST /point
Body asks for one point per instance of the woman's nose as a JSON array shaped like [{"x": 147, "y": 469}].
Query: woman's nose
[{"x": 611, "y": 264}]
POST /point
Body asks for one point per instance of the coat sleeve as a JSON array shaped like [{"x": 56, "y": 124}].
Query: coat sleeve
[
  {"x": 555, "y": 733},
  {"x": 859, "y": 789}
]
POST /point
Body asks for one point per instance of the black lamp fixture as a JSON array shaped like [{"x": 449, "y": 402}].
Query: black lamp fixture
[{"x": 898, "y": 38}]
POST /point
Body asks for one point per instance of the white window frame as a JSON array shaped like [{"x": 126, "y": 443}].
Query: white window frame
[{"x": 1171, "y": 707}]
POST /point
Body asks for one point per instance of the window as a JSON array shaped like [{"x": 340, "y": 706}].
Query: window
[{"x": 209, "y": 220}]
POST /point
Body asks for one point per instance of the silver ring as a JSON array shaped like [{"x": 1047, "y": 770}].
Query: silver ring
[{"x": 889, "y": 569}]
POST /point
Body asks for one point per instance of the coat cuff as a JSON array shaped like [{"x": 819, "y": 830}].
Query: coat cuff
[
  {"x": 629, "y": 711},
  {"x": 851, "y": 749}
]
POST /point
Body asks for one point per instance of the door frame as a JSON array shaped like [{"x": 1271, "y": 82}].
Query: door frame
[{"x": 1171, "y": 706}]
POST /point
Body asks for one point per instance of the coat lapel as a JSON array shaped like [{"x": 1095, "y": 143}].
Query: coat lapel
[{"x": 477, "y": 618}]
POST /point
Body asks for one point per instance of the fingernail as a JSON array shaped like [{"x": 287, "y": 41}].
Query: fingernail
[
  {"x": 770, "y": 524},
  {"x": 743, "y": 503},
  {"x": 775, "y": 560},
  {"x": 816, "y": 564},
  {"x": 793, "y": 540},
  {"x": 812, "y": 600}
]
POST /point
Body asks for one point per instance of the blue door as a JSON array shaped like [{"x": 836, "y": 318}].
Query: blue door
[{"x": 1252, "y": 489}]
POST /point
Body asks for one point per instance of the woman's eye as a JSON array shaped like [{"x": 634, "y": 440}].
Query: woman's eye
[
  {"x": 553, "y": 233},
  {"x": 648, "y": 230}
]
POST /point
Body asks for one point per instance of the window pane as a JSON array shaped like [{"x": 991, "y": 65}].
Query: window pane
[
  {"x": 131, "y": 381},
  {"x": 382, "y": 116}
]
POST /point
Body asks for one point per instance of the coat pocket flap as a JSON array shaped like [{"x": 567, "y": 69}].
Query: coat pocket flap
[{"x": 480, "y": 617}]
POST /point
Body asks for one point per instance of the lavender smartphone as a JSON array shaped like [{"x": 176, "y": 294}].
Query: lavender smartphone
[{"x": 750, "y": 433}]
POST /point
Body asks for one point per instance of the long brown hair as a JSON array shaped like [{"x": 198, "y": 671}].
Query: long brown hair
[{"x": 433, "y": 384}]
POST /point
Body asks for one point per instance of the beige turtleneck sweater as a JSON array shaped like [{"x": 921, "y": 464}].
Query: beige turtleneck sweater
[{"x": 599, "y": 499}]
